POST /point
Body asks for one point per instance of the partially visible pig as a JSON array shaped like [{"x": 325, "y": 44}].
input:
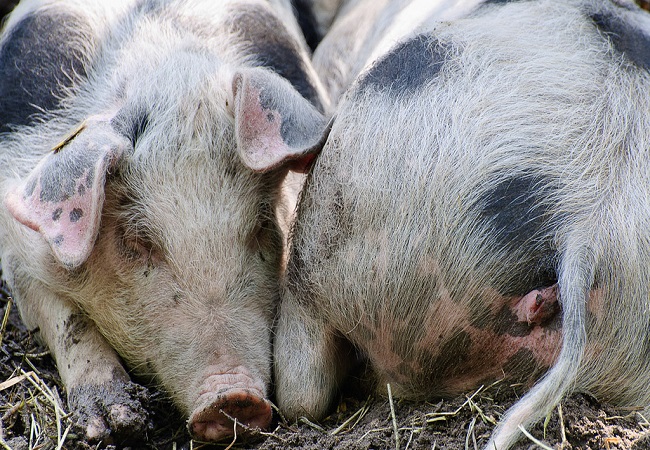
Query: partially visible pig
[
  {"x": 315, "y": 17},
  {"x": 481, "y": 208},
  {"x": 142, "y": 153}
]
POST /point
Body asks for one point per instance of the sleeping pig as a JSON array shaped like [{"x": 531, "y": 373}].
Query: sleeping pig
[
  {"x": 481, "y": 207},
  {"x": 144, "y": 145}
]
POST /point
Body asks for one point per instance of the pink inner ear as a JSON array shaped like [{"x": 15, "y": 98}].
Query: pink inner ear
[
  {"x": 63, "y": 196},
  {"x": 258, "y": 131},
  {"x": 69, "y": 225}
]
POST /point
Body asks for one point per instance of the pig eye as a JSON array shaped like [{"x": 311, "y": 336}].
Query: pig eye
[
  {"x": 137, "y": 247},
  {"x": 266, "y": 240}
]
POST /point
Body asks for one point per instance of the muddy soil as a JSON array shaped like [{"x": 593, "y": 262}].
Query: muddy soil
[{"x": 30, "y": 388}]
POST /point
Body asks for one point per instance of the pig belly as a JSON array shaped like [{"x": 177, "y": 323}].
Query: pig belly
[{"x": 453, "y": 354}]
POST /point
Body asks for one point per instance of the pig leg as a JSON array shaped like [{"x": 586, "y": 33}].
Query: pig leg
[
  {"x": 310, "y": 362},
  {"x": 107, "y": 404}
]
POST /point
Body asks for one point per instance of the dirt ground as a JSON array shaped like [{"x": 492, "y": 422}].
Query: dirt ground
[{"x": 33, "y": 415}]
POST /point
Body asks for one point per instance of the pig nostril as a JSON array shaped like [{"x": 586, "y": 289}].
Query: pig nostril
[{"x": 217, "y": 421}]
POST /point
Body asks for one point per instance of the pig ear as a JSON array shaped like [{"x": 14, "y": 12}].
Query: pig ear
[
  {"x": 274, "y": 125},
  {"x": 63, "y": 196}
]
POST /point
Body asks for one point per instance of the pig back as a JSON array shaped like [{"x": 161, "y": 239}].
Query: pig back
[{"x": 460, "y": 165}]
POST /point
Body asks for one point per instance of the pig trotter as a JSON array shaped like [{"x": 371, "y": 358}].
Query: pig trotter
[
  {"x": 215, "y": 420},
  {"x": 111, "y": 413}
]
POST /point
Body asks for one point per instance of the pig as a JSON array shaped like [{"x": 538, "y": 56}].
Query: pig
[
  {"x": 143, "y": 151},
  {"x": 315, "y": 18},
  {"x": 480, "y": 209}
]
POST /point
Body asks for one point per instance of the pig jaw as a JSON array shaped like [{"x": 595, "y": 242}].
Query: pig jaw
[{"x": 228, "y": 400}]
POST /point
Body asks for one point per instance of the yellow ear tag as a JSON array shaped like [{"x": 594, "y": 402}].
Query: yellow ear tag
[{"x": 66, "y": 140}]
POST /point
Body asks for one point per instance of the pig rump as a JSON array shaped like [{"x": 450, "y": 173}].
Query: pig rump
[{"x": 404, "y": 223}]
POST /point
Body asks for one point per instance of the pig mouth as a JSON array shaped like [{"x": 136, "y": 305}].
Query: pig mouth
[{"x": 231, "y": 412}]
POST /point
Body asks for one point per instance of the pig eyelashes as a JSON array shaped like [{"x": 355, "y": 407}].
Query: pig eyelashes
[
  {"x": 131, "y": 124},
  {"x": 265, "y": 238},
  {"x": 137, "y": 246}
]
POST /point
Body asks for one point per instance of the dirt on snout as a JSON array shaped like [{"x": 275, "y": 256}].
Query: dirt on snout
[{"x": 34, "y": 415}]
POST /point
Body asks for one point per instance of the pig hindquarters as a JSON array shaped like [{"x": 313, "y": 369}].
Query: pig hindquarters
[
  {"x": 141, "y": 161},
  {"x": 480, "y": 174}
]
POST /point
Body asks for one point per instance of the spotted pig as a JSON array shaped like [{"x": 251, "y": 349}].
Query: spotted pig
[
  {"x": 481, "y": 207},
  {"x": 144, "y": 145}
]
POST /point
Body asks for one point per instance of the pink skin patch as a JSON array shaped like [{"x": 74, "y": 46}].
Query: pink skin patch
[
  {"x": 228, "y": 401},
  {"x": 538, "y": 306},
  {"x": 493, "y": 355},
  {"x": 69, "y": 226},
  {"x": 517, "y": 339}
]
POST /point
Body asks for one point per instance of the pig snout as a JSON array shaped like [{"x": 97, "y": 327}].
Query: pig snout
[{"x": 229, "y": 401}]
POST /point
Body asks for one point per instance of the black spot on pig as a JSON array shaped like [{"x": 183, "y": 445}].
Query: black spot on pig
[
  {"x": 406, "y": 68},
  {"x": 514, "y": 209},
  {"x": 6, "y": 6},
  {"x": 38, "y": 62},
  {"x": 58, "y": 240},
  {"x": 295, "y": 130},
  {"x": 627, "y": 39},
  {"x": 131, "y": 122},
  {"x": 506, "y": 322},
  {"x": 57, "y": 214},
  {"x": 75, "y": 326},
  {"x": 265, "y": 37},
  {"x": 516, "y": 216},
  {"x": 450, "y": 356},
  {"x": 76, "y": 214},
  {"x": 523, "y": 365},
  {"x": 60, "y": 175}
]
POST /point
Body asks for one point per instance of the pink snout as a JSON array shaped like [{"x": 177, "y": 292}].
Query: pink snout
[{"x": 221, "y": 408}]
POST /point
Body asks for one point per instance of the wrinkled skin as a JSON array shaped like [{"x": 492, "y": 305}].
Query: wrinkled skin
[
  {"x": 141, "y": 173},
  {"x": 480, "y": 209}
]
